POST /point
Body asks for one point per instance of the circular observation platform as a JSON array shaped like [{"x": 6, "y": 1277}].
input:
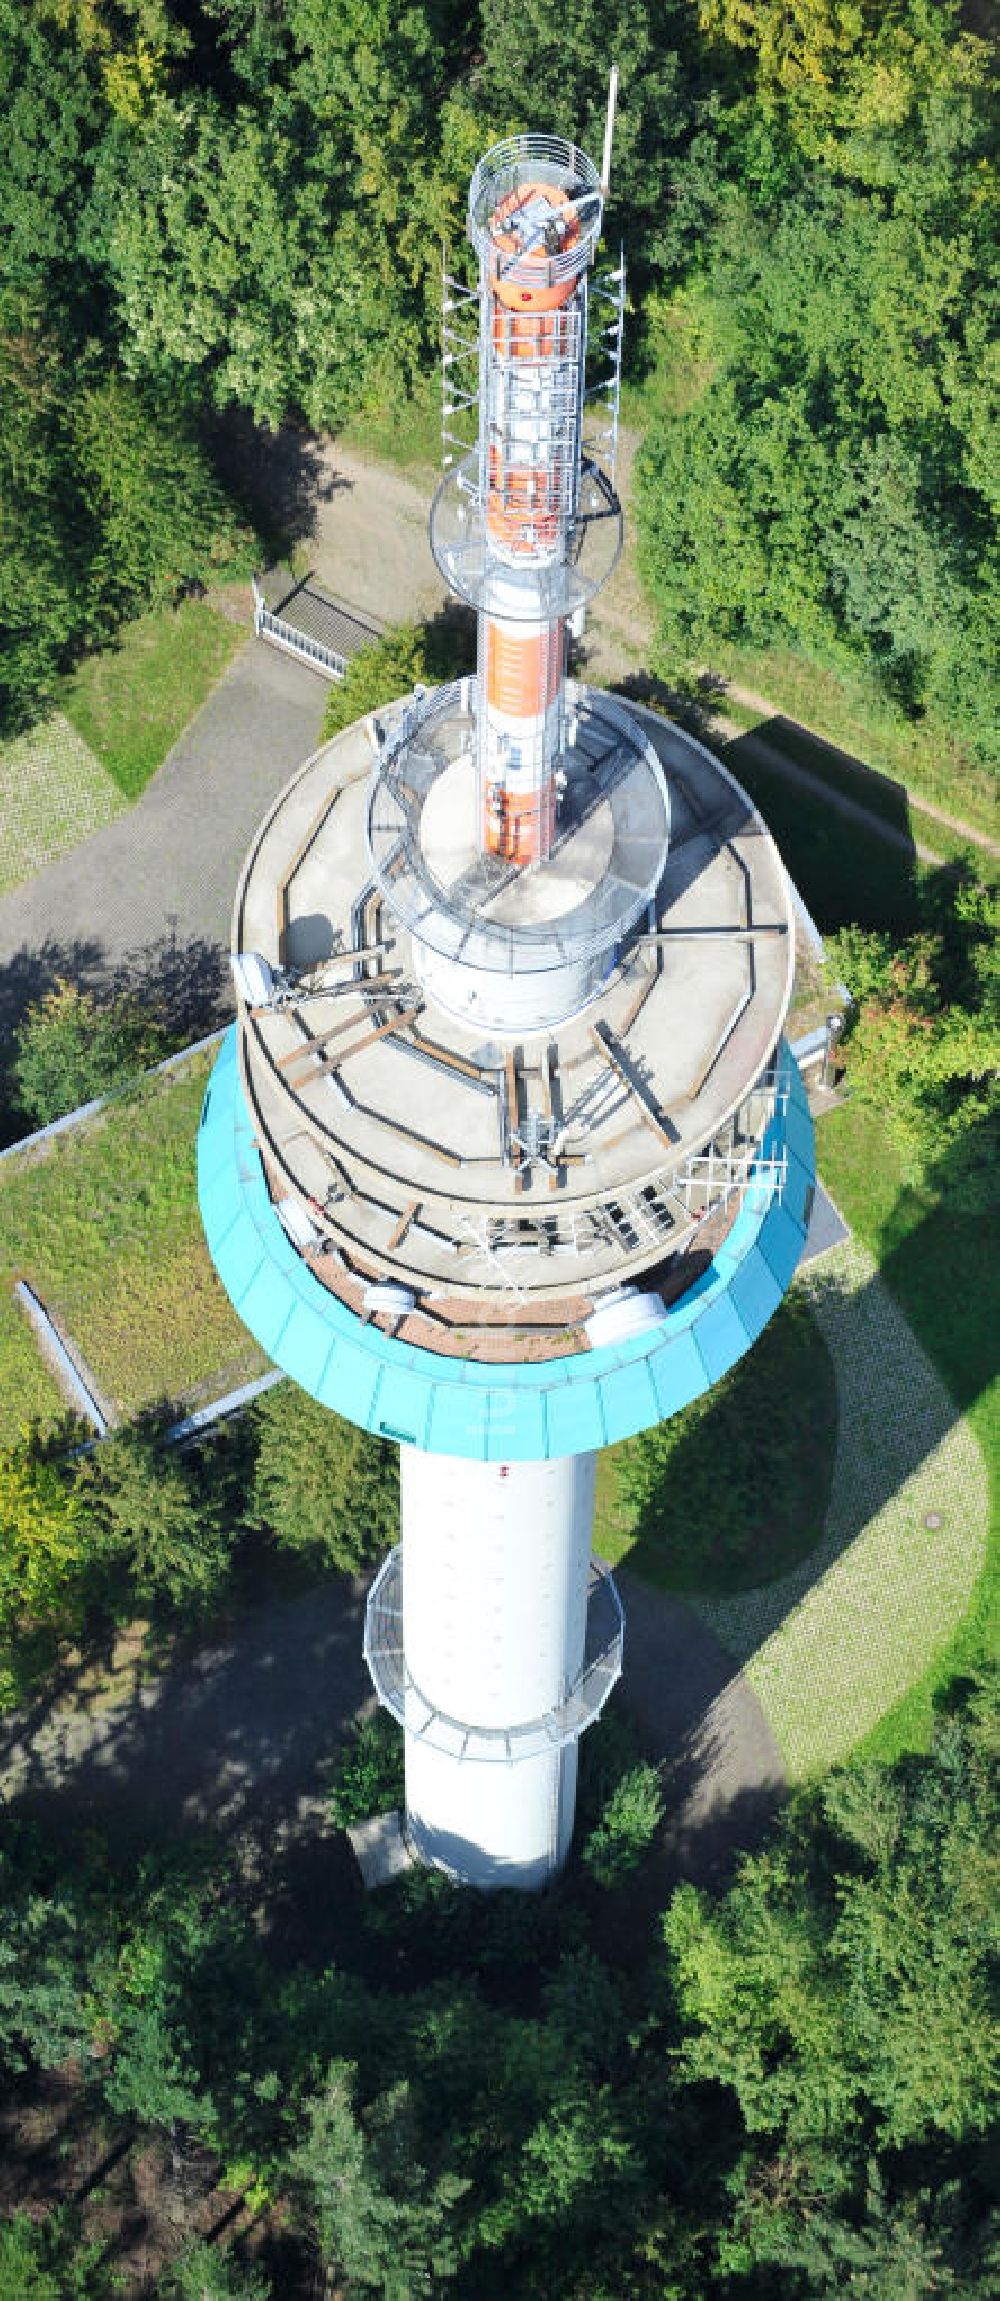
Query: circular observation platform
[
  {"x": 580, "y": 558},
  {"x": 500, "y": 947},
  {"x": 512, "y": 181},
  {"x": 509, "y": 1183},
  {"x": 582, "y": 1702}
]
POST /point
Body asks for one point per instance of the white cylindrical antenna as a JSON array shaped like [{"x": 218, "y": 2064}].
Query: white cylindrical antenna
[{"x": 609, "y": 129}]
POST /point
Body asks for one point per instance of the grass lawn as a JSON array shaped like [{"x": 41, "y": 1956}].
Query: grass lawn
[
  {"x": 731, "y": 1492},
  {"x": 939, "y": 1266},
  {"x": 131, "y": 701},
  {"x": 842, "y": 871},
  {"x": 105, "y": 1227},
  {"x": 922, "y": 755},
  {"x": 406, "y": 433},
  {"x": 889, "y": 802}
]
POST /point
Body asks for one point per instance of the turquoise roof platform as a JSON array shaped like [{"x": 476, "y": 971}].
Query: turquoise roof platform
[{"x": 488, "y": 1412}]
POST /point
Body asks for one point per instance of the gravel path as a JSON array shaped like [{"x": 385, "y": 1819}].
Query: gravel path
[{"x": 829, "y": 1648}]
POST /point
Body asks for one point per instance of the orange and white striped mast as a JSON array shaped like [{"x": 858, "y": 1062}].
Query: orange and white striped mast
[{"x": 526, "y": 558}]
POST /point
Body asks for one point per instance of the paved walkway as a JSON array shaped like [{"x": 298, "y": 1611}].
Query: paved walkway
[
  {"x": 158, "y": 881},
  {"x": 831, "y": 1647},
  {"x": 240, "y": 1735},
  {"x": 724, "y": 1774},
  {"x": 234, "y": 1734}
]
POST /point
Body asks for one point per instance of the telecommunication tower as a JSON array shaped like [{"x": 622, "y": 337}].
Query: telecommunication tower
[{"x": 505, "y": 1157}]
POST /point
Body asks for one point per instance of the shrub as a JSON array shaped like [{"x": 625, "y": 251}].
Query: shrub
[
  {"x": 369, "y": 1778},
  {"x": 627, "y": 1826},
  {"x": 202, "y": 2273},
  {"x": 69, "y": 1049},
  {"x": 412, "y": 655},
  {"x": 43, "y": 1541}
]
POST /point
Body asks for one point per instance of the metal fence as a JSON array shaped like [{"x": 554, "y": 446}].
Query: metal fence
[{"x": 295, "y": 642}]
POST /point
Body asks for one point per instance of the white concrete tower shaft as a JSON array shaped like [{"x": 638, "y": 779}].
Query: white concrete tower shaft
[{"x": 496, "y": 1561}]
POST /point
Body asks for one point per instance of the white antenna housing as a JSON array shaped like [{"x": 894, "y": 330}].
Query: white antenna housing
[{"x": 609, "y": 130}]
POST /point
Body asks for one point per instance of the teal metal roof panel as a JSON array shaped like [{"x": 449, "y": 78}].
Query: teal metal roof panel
[
  {"x": 575, "y": 1420},
  {"x": 407, "y": 1398},
  {"x": 266, "y": 1309},
  {"x": 798, "y": 1130},
  {"x": 626, "y": 1391},
  {"x": 721, "y": 1336},
  {"x": 781, "y": 1242},
  {"x": 522, "y": 1434},
  {"x": 352, "y": 1385},
  {"x": 459, "y": 1421},
  {"x": 678, "y": 1374},
  {"x": 527, "y": 1411},
  {"x": 754, "y": 1292},
  {"x": 307, "y": 1348},
  {"x": 245, "y": 1260}
]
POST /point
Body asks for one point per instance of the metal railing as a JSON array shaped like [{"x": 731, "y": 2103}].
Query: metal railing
[
  {"x": 294, "y": 642},
  {"x": 582, "y": 1702}
]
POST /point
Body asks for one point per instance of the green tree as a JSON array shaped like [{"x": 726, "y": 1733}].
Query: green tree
[
  {"x": 159, "y": 520},
  {"x": 54, "y": 118},
  {"x": 411, "y": 655},
  {"x": 841, "y": 1988},
  {"x": 70, "y": 1049},
  {"x": 42, "y": 2015},
  {"x": 42, "y": 565},
  {"x": 369, "y": 1776},
  {"x": 818, "y": 473},
  {"x": 323, "y": 1484},
  {"x": 627, "y": 1826},
  {"x": 383, "y": 2222},
  {"x": 158, "y": 1529},
  {"x": 543, "y": 71},
  {"x": 285, "y": 249},
  {"x": 107, "y": 501},
  {"x": 27, "y": 2272},
  {"x": 923, "y": 1048}
]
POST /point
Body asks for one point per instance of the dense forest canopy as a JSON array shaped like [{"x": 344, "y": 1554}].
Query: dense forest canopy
[
  {"x": 787, "y": 2094},
  {"x": 241, "y": 203}
]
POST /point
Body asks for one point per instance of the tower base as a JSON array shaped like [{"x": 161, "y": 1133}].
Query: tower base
[{"x": 495, "y": 1639}]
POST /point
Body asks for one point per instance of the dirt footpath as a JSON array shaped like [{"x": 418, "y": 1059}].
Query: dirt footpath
[
  {"x": 361, "y": 527},
  {"x": 369, "y": 546}
]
